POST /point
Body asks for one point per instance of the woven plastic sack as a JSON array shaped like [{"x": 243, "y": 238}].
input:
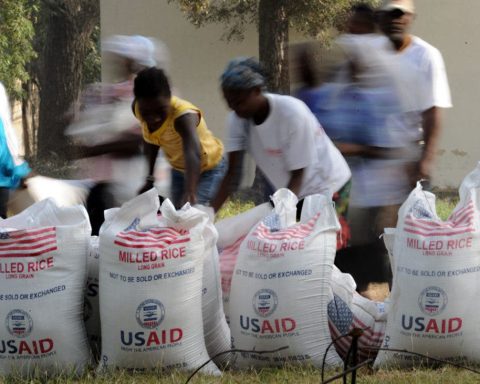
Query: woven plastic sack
[
  {"x": 215, "y": 327},
  {"x": 436, "y": 280},
  {"x": 281, "y": 284},
  {"x": 43, "y": 265},
  {"x": 232, "y": 232},
  {"x": 151, "y": 270},
  {"x": 348, "y": 310},
  {"x": 91, "y": 313}
]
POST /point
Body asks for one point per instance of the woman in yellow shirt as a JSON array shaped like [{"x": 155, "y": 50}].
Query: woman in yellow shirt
[{"x": 178, "y": 127}]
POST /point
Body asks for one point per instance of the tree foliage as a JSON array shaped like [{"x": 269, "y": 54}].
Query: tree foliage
[
  {"x": 16, "y": 35},
  {"x": 313, "y": 18}
]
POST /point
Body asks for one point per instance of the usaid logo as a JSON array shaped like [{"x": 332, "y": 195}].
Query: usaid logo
[
  {"x": 150, "y": 313},
  {"x": 432, "y": 301},
  {"x": 19, "y": 323},
  {"x": 265, "y": 302}
]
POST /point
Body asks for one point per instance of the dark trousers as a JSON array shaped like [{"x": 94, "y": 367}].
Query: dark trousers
[
  {"x": 99, "y": 199},
  {"x": 4, "y": 194}
]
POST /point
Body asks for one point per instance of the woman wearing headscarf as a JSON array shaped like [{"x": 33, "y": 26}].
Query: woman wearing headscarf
[{"x": 283, "y": 137}]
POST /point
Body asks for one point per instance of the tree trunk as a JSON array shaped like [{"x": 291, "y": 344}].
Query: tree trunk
[
  {"x": 26, "y": 113},
  {"x": 29, "y": 117},
  {"x": 273, "y": 54},
  {"x": 273, "y": 44},
  {"x": 68, "y": 25}
]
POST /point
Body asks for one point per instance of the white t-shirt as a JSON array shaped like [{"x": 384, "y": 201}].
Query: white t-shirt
[
  {"x": 290, "y": 139},
  {"x": 429, "y": 84},
  {"x": 429, "y": 62}
]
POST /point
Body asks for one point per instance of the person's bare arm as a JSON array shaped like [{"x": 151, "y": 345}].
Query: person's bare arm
[
  {"x": 431, "y": 123},
  {"x": 186, "y": 126},
  {"x": 151, "y": 152},
  {"x": 231, "y": 180},
  {"x": 351, "y": 149},
  {"x": 296, "y": 178}
]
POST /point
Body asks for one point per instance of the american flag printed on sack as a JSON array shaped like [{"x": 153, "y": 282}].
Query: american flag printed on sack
[
  {"x": 28, "y": 242},
  {"x": 460, "y": 221},
  {"x": 158, "y": 237},
  {"x": 270, "y": 229},
  {"x": 342, "y": 320}
]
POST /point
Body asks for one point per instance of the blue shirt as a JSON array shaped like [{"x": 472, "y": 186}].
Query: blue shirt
[
  {"x": 352, "y": 114},
  {"x": 10, "y": 173}
]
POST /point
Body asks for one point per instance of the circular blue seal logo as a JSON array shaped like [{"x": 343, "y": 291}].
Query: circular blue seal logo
[
  {"x": 265, "y": 302},
  {"x": 150, "y": 313},
  {"x": 432, "y": 301},
  {"x": 19, "y": 323}
]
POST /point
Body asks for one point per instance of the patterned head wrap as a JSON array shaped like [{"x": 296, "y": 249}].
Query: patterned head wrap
[{"x": 243, "y": 73}]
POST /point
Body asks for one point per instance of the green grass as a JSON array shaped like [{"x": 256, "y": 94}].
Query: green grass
[
  {"x": 233, "y": 207},
  {"x": 287, "y": 375},
  {"x": 445, "y": 207}
]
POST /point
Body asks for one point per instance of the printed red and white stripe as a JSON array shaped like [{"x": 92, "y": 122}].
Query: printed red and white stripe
[
  {"x": 297, "y": 231},
  {"x": 228, "y": 259},
  {"x": 343, "y": 344},
  {"x": 28, "y": 242},
  {"x": 368, "y": 331},
  {"x": 231, "y": 251},
  {"x": 369, "y": 339},
  {"x": 153, "y": 238},
  {"x": 461, "y": 221}
]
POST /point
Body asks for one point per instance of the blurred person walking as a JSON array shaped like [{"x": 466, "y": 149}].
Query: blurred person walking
[
  {"x": 109, "y": 138},
  {"x": 424, "y": 128},
  {"x": 363, "y": 106}
]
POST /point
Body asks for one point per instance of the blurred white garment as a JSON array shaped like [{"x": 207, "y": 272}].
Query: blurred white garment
[
  {"x": 422, "y": 69},
  {"x": 383, "y": 182},
  {"x": 65, "y": 193},
  {"x": 379, "y": 66},
  {"x": 103, "y": 123},
  {"x": 145, "y": 51}
]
